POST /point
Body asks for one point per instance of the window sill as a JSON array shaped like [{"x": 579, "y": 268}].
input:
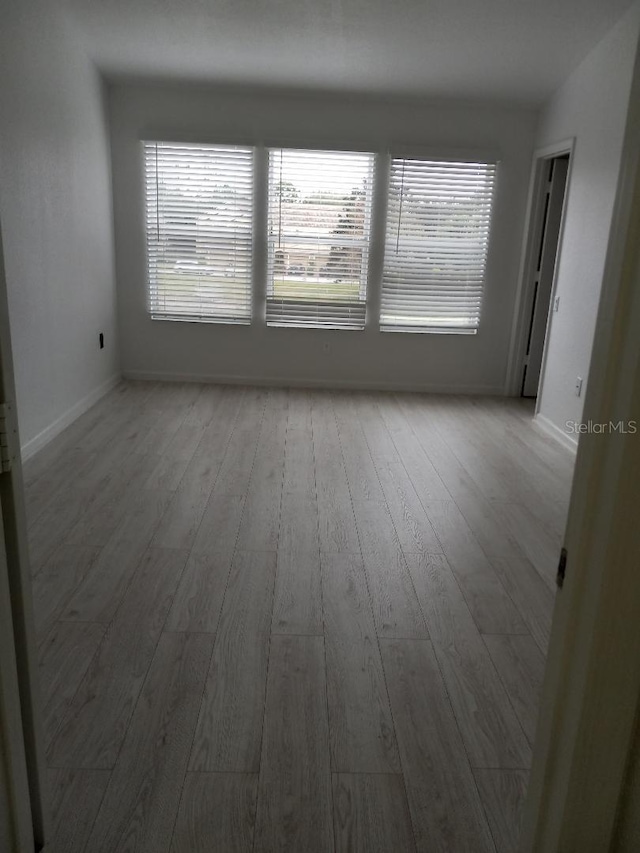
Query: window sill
[
  {"x": 227, "y": 321},
  {"x": 428, "y": 330},
  {"x": 340, "y": 327}
]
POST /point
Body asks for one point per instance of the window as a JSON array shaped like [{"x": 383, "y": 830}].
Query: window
[
  {"x": 199, "y": 231},
  {"x": 319, "y": 224},
  {"x": 436, "y": 245}
]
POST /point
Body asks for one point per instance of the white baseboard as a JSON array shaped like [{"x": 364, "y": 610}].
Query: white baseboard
[
  {"x": 36, "y": 443},
  {"x": 554, "y": 431},
  {"x": 289, "y": 382}
]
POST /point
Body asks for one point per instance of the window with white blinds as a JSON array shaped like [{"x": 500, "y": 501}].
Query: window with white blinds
[
  {"x": 437, "y": 234},
  {"x": 318, "y": 240},
  {"x": 199, "y": 210}
]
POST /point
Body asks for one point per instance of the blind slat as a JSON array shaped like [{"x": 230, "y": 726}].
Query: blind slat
[
  {"x": 199, "y": 220},
  {"x": 437, "y": 234},
  {"x": 318, "y": 237}
]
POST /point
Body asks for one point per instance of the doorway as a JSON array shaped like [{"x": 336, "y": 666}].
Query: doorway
[{"x": 546, "y": 223}]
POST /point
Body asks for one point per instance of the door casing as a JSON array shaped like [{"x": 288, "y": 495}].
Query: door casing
[{"x": 17, "y": 599}]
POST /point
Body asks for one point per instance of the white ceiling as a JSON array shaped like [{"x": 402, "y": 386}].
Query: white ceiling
[{"x": 517, "y": 50}]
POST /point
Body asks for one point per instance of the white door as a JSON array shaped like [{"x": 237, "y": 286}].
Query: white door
[{"x": 552, "y": 203}]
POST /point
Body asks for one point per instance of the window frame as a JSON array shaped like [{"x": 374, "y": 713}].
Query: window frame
[
  {"x": 217, "y": 319},
  {"x": 374, "y": 256},
  {"x": 483, "y": 157},
  {"x": 323, "y": 321}
]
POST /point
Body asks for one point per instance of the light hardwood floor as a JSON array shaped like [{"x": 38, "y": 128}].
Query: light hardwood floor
[{"x": 288, "y": 620}]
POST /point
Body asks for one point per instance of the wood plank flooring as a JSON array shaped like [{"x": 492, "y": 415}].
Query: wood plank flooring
[{"x": 287, "y": 620}]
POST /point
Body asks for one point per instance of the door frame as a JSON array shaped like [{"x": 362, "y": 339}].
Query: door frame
[
  {"x": 590, "y": 701},
  {"x": 18, "y": 605},
  {"x": 14, "y": 781},
  {"x": 525, "y": 289}
]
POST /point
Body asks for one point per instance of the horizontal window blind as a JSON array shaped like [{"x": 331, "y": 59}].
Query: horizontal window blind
[
  {"x": 318, "y": 239},
  {"x": 437, "y": 235},
  {"x": 199, "y": 209}
]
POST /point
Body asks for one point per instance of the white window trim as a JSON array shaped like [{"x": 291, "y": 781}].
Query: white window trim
[
  {"x": 331, "y": 314},
  {"x": 383, "y": 156},
  {"x": 449, "y": 155},
  {"x": 177, "y": 317}
]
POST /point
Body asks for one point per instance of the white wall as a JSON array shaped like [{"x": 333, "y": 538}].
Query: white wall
[
  {"x": 592, "y": 107},
  {"x": 257, "y": 353},
  {"x": 55, "y": 209}
]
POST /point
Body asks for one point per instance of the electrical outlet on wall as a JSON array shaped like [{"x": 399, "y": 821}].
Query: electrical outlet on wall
[
  {"x": 556, "y": 303},
  {"x": 578, "y": 386}
]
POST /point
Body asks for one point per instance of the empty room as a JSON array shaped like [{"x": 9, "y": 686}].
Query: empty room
[{"x": 318, "y": 343}]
